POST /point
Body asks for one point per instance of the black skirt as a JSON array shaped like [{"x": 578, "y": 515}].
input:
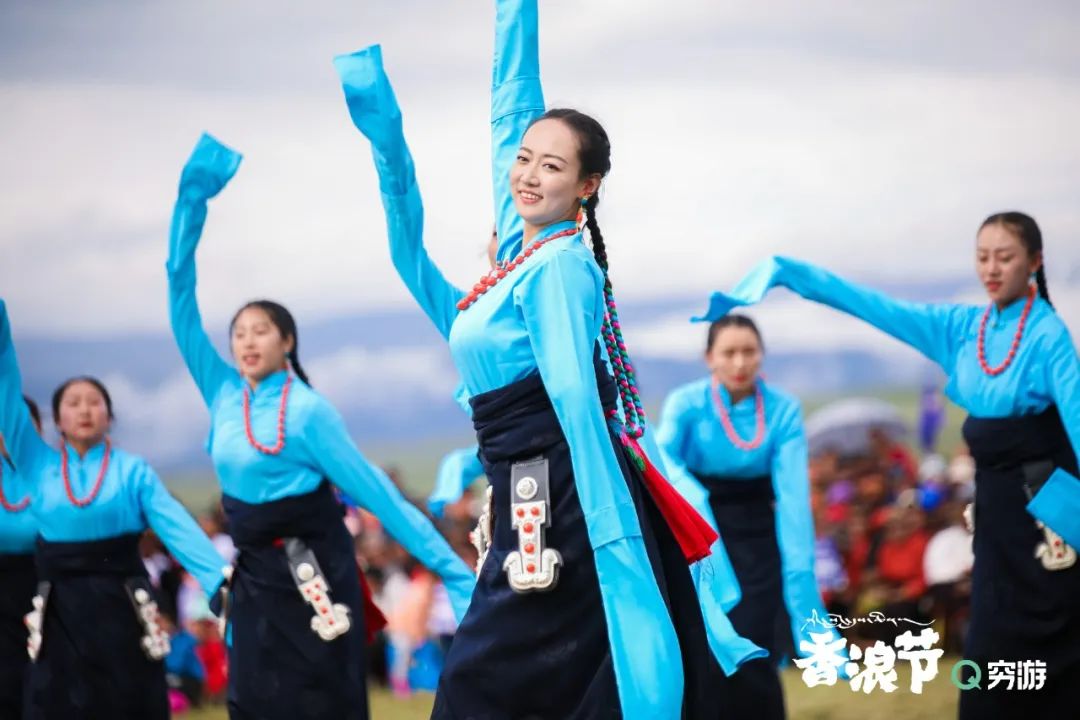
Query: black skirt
[
  {"x": 278, "y": 666},
  {"x": 91, "y": 664},
  {"x": 546, "y": 655},
  {"x": 18, "y": 583},
  {"x": 745, "y": 512},
  {"x": 1019, "y": 609}
]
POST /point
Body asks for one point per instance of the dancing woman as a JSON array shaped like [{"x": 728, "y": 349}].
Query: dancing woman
[
  {"x": 295, "y": 604},
  {"x": 736, "y": 448},
  {"x": 98, "y": 645},
  {"x": 1014, "y": 368},
  {"x": 584, "y": 606}
]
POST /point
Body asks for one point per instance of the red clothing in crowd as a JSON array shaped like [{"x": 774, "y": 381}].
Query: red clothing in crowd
[{"x": 900, "y": 562}]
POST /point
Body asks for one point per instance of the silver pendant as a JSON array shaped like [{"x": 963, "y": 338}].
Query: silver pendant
[
  {"x": 480, "y": 537},
  {"x": 1054, "y": 552},
  {"x": 532, "y": 567}
]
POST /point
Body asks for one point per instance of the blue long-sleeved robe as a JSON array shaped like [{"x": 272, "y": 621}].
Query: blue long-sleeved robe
[
  {"x": 694, "y": 443},
  {"x": 18, "y": 528},
  {"x": 317, "y": 444},
  {"x": 1044, "y": 372},
  {"x": 132, "y": 497},
  {"x": 525, "y": 325}
]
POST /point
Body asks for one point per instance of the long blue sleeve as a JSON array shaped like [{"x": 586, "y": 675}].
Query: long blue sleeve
[
  {"x": 207, "y": 171},
  {"x": 375, "y": 112},
  {"x": 517, "y": 99},
  {"x": 645, "y": 650},
  {"x": 672, "y": 436},
  {"x": 930, "y": 329},
  {"x": 179, "y": 531},
  {"x": 795, "y": 524},
  {"x": 1058, "y": 502},
  {"x": 27, "y": 449},
  {"x": 456, "y": 472},
  {"x": 332, "y": 450}
]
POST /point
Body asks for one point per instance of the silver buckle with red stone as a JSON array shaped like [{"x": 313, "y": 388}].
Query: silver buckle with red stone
[
  {"x": 331, "y": 619},
  {"x": 532, "y": 567}
]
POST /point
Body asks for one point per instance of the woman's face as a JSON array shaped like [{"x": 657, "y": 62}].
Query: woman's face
[
  {"x": 735, "y": 358},
  {"x": 545, "y": 180},
  {"x": 257, "y": 344},
  {"x": 1003, "y": 264},
  {"x": 84, "y": 415}
]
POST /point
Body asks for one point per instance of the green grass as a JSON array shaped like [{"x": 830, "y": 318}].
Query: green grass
[{"x": 937, "y": 701}]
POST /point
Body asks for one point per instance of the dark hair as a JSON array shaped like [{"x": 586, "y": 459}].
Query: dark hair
[
  {"x": 283, "y": 320},
  {"x": 35, "y": 412},
  {"x": 58, "y": 394},
  {"x": 1027, "y": 230},
  {"x": 727, "y": 321},
  {"x": 594, "y": 154}
]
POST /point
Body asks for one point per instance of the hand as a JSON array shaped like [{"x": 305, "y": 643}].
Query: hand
[{"x": 209, "y": 168}]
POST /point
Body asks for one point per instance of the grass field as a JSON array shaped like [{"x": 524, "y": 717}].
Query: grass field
[{"x": 937, "y": 701}]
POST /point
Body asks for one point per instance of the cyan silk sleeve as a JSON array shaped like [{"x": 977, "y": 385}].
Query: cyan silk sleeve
[
  {"x": 375, "y": 113},
  {"x": 517, "y": 99},
  {"x": 795, "y": 525},
  {"x": 25, "y": 446},
  {"x": 1057, "y": 503},
  {"x": 672, "y": 436},
  {"x": 206, "y": 173},
  {"x": 179, "y": 531},
  {"x": 332, "y": 450},
  {"x": 932, "y": 329},
  {"x": 645, "y": 654},
  {"x": 456, "y": 472}
]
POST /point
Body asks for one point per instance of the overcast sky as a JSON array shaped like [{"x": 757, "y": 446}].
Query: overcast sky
[{"x": 871, "y": 137}]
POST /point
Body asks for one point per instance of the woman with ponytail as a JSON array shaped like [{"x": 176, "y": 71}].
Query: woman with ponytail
[
  {"x": 97, "y": 645},
  {"x": 295, "y": 605},
  {"x": 1013, "y": 366},
  {"x": 585, "y": 604}
]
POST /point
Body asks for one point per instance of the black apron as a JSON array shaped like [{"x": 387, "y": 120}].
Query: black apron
[
  {"x": 546, "y": 655},
  {"x": 745, "y": 512},
  {"x": 1019, "y": 609},
  {"x": 18, "y": 583},
  {"x": 278, "y": 666},
  {"x": 91, "y": 664}
]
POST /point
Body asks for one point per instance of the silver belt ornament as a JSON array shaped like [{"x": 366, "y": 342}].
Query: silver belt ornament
[
  {"x": 532, "y": 567},
  {"x": 331, "y": 619},
  {"x": 155, "y": 641},
  {"x": 480, "y": 537},
  {"x": 1053, "y": 552},
  {"x": 35, "y": 620}
]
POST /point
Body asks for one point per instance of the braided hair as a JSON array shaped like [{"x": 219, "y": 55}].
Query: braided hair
[
  {"x": 594, "y": 153},
  {"x": 286, "y": 325},
  {"x": 1027, "y": 230}
]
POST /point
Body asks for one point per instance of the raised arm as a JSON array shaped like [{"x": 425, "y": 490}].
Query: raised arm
[
  {"x": 180, "y": 533},
  {"x": 207, "y": 171},
  {"x": 456, "y": 472},
  {"x": 1057, "y": 503},
  {"x": 933, "y": 330},
  {"x": 375, "y": 112},
  {"x": 795, "y": 526},
  {"x": 648, "y": 669},
  {"x": 333, "y": 451},
  {"x": 25, "y": 446},
  {"x": 517, "y": 99}
]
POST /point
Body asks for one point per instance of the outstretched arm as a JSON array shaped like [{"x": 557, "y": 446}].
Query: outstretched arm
[
  {"x": 375, "y": 112},
  {"x": 25, "y": 446},
  {"x": 207, "y": 171},
  {"x": 930, "y": 329}
]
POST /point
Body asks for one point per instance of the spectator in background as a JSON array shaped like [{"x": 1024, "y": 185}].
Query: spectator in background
[
  {"x": 947, "y": 569},
  {"x": 184, "y": 671}
]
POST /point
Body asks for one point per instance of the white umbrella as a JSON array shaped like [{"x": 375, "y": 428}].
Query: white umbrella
[{"x": 844, "y": 426}]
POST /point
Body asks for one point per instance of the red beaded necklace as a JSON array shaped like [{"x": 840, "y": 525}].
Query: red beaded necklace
[
  {"x": 729, "y": 429},
  {"x": 11, "y": 508},
  {"x": 492, "y": 278},
  {"x": 280, "y": 444},
  {"x": 83, "y": 502},
  {"x": 993, "y": 371}
]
